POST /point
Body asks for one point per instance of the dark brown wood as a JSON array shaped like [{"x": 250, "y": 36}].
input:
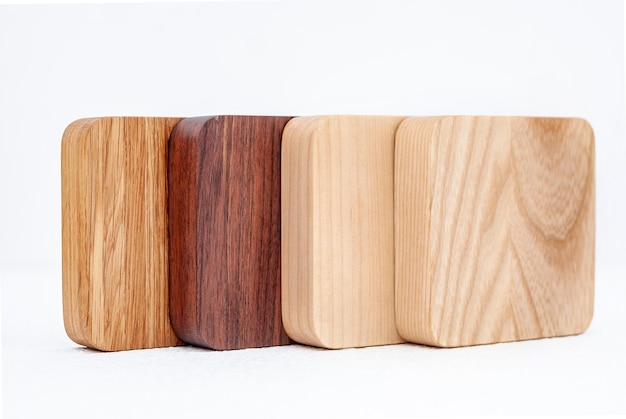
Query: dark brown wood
[{"x": 224, "y": 231}]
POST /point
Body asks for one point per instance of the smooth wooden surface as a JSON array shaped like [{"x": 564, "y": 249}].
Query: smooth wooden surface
[
  {"x": 337, "y": 230},
  {"x": 115, "y": 289},
  {"x": 224, "y": 226},
  {"x": 494, "y": 229}
]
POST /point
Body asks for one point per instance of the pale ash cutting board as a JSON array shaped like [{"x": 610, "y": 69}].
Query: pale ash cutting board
[
  {"x": 494, "y": 229},
  {"x": 115, "y": 264},
  {"x": 337, "y": 230}
]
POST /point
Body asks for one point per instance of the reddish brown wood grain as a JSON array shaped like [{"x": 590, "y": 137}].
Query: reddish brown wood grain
[{"x": 224, "y": 231}]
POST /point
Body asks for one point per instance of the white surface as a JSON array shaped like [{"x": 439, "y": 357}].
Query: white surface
[
  {"x": 61, "y": 63},
  {"x": 48, "y": 376}
]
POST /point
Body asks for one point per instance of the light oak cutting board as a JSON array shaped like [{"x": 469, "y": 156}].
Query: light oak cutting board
[
  {"x": 494, "y": 229},
  {"x": 224, "y": 229},
  {"x": 337, "y": 230},
  {"x": 114, "y": 196}
]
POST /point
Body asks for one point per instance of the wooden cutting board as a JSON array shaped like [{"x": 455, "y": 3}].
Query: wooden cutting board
[
  {"x": 224, "y": 226},
  {"x": 114, "y": 196},
  {"x": 494, "y": 229},
  {"x": 337, "y": 230}
]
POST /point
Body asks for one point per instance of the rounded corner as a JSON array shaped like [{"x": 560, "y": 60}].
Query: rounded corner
[
  {"x": 589, "y": 128},
  {"x": 308, "y": 336},
  {"x": 585, "y": 122},
  {"x": 414, "y": 334},
  {"x": 82, "y": 340},
  {"x": 586, "y": 323},
  {"x": 403, "y": 126},
  {"x": 74, "y": 337},
  {"x": 77, "y": 130}
]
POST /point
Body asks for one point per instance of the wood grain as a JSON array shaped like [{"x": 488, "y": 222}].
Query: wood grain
[
  {"x": 224, "y": 226},
  {"x": 114, "y": 197},
  {"x": 495, "y": 229},
  {"x": 337, "y": 227}
]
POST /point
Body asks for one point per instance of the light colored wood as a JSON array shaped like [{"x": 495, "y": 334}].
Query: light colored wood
[
  {"x": 337, "y": 230},
  {"x": 115, "y": 266},
  {"x": 495, "y": 229}
]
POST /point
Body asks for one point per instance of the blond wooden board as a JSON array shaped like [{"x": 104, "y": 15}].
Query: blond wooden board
[
  {"x": 494, "y": 229},
  {"x": 115, "y": 265},
  {"x": 337, "y": 230}
]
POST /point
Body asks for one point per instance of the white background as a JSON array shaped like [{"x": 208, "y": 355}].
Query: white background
[{"x": 527, "y": 57}]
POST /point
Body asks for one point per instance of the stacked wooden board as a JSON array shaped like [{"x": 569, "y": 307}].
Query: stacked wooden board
[{"x": 231, "y": 232}]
